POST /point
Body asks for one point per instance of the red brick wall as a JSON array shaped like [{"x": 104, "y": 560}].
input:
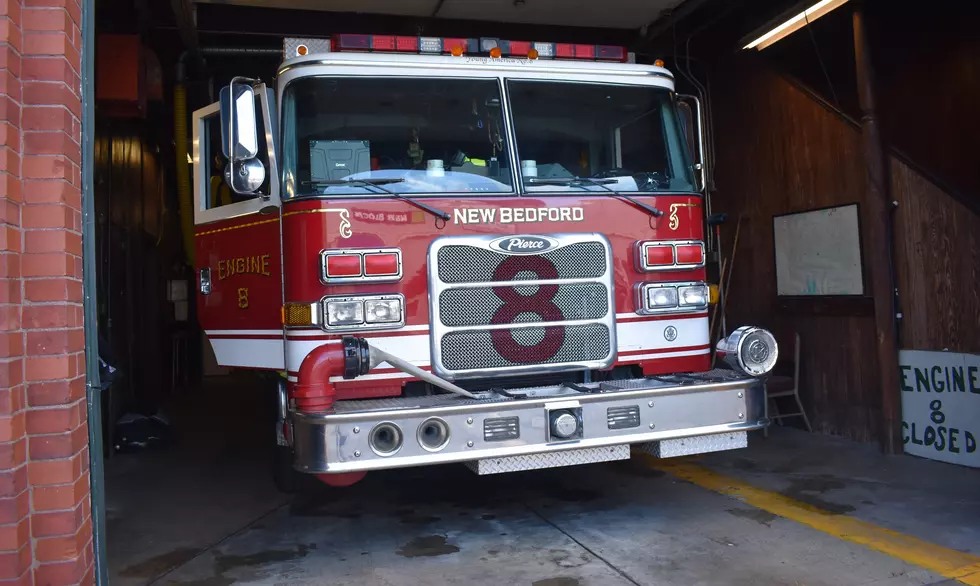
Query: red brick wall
[{"x": 45, "y": 513}]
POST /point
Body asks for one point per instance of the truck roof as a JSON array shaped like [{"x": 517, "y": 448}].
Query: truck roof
[{"x": 396, "y": 64}]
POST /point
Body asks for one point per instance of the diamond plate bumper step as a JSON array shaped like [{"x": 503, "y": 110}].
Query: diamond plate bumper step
[
  {"x": 549, "y": 460},
  {"x": 688, "y": 446}
]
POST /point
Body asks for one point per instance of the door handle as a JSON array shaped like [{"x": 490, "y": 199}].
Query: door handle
[{"x": 206, "y": 281}]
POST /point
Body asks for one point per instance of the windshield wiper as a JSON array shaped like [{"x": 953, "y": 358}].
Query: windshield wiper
[
  {"x": 376, "y": 183},
  {"x": 601, "y": 183}
]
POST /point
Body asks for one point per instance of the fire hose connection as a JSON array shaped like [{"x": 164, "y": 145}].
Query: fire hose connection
[
  {"x": 352, "y": 358},
  {"x": 360, "y": 357}
]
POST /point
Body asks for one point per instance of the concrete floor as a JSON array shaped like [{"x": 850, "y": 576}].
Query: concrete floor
[{"x": 206, "y": 513}]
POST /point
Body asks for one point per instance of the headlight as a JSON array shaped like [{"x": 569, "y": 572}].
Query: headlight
[
  {"x": 381, "y": 311},
  {"x": 654, "y": 298},
  {"x": 345, "y": 313},
  {"x": 661, "y": 297},
  {"x": 363, "y": 312},
  {"x": 694, "y": 296},
  {"x": 751, "y": 350}
]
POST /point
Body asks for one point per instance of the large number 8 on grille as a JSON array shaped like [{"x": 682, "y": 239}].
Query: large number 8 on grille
[{"x": 540, "y": 303}]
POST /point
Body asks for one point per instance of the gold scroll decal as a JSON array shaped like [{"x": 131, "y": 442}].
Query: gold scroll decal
[
  {"x": 675, "y": 222},
  {"x": 344, "y": 227}
]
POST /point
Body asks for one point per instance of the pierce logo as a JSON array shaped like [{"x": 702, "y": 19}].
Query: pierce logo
[{"x": 523, "y": 244}]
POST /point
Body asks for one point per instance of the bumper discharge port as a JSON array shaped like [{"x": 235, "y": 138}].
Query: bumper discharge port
[
  {"x": 386, "y": 439},
  {"x": 433, "y": 434}
]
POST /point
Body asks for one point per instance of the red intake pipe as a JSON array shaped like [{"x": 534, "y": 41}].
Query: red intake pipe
[{"x": 313, "y": 390}]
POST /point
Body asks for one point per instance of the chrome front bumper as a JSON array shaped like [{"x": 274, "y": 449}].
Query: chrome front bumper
[{"x": 615, "y": 413}]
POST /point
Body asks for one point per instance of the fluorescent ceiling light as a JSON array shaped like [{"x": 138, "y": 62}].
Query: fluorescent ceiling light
[{"x": 794, "y": 24}]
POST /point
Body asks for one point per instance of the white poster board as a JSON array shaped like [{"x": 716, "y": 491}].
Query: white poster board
[
  {"x": 941, "y": 405},
  {"x": 819, "y": 252}
]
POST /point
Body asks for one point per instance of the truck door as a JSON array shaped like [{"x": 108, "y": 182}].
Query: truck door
[{"x": 238, "y": 251}]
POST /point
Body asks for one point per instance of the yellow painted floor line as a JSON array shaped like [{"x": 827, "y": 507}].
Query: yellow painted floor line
[{"x": 946, "y": 562}]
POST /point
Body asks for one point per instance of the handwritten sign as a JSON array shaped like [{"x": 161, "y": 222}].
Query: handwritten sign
[{"x": 941, "y": 405}]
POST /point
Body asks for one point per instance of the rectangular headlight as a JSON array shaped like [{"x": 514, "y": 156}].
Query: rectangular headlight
[
  {"x": 693, "y": 296},
  {"x": 345, "y": 313},
  {"x": 383, "y": 311},
  {"x": 661, "y": 297}
]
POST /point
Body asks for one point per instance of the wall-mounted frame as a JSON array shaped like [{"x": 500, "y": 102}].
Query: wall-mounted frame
[{"x": 818, "y": 253}]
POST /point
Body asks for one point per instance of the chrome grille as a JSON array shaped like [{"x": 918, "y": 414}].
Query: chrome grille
[
  {"x": 478, "y": 306},
  {"x": 495, "y": 313},
  {"x": 469, "y": 264},
  {"x": 464, "y": 350}
]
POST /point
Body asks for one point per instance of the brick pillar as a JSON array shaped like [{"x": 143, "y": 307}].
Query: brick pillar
[{"x": 45, "y": 512}]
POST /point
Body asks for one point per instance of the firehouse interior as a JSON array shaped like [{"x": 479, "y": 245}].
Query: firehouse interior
[{"x": 283, "y": 364}]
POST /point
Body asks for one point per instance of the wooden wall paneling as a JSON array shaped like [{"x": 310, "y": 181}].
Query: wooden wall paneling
[
  {"x": 937, "y": 245},
  {"x": 778, "y": 151}
]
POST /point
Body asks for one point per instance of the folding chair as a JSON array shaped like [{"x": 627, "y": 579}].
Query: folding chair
[{"x": 778, "y": 387}]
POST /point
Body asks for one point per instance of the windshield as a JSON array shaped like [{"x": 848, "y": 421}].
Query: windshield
[
  {"x": 627, "y": 135},
  {"x": 422, "y": 135}
]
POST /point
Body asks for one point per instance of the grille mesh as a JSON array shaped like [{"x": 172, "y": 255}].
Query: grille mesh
[
  {"x": 470, "y": 264},
  {"x": 472, "y": 307},
  {"x": 475, "y": 349}
]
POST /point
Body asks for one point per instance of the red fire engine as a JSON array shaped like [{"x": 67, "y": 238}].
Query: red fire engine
[{"x": 466, "y": 250}]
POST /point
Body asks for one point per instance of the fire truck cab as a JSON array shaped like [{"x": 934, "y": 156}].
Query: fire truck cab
[{"x": 466, "y": 250}]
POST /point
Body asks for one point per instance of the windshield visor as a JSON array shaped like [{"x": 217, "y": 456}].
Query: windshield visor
[
  {"x": 423, "y": 135},
  {"x": 629, "y": 136}
]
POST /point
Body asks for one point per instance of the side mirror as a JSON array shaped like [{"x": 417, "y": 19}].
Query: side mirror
[
  {"x": 689, "y": 108},
  {"x": 245, "y": 173}
]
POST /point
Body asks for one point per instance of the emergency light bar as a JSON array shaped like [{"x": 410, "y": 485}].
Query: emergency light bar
[{"x": 492, "y": 47}]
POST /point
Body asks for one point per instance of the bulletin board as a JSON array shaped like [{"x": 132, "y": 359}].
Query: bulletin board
[{"x": 818, "y": 252}]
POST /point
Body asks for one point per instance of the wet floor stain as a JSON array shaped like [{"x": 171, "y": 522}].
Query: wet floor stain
[
  {"x": 560, "y": 581},
  {"x": 806, "y": 490},
  {"x": 250, "y": 562},
  {"x": 413, "y": 517},
  {"x": 758, "y": 515},
  {"x": 210, "y": 581},
  {"x": 419, "y": 519},
  {"x": 427, "y": 546},
  {"x": 156, "y": 565},
  {"x": 564, "y": 559},
  {"x": 314, "y": 508},
  {"x": 271, "y": 556}
]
